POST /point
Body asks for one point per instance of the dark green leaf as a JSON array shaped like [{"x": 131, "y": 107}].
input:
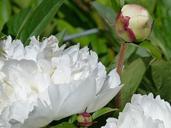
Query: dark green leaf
[
  {"x": 16, "y": 22},
  {"x": 161, "y": 29},
  {"x": 155, "y": 52},
  {"x": 129, "y": 51},
  {"x": 39, "y": 18},
  {"x": 5, "y": 10},
  {"x": 131, "y": 82},
  {"x": 102, "y": 111},
  {"x": 161, "y": 73},
  {"x": 2, "y": 35},
  {"x": 117, "y": 4},
  {"x": 107, "y": 13},
  {"x": 99, "y": 46},
  {"x": 65, "y": 125}
]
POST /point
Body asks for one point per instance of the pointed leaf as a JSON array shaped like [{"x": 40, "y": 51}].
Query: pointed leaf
[
  {"x": 161, "y": 74},
  {"x": 5, "y": 11},
  {"x": 102, "y": 112},
  {"x": 107, "y": 13},
  {"x": 65, "y": 125},
  {"x": 155, "y": 52},
  {"x": 39, "y": 18},
  {"x": 16, "y": 22},
  {"x": 131, "y": 82}
]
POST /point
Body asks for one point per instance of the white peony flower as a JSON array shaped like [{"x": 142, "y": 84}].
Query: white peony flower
[
  {"x": 144, "y": 111},
  {"x": 43, "y": 82}
]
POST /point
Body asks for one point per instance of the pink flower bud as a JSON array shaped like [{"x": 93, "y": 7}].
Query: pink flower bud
[
  {"x": 133, "y": 23},
  {"x": 84, "y": 119}
]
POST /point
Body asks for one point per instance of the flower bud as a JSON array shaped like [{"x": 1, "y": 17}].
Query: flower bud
[
  {"x": 84, "y": 119},
  {"x": 133, "y": 23}
]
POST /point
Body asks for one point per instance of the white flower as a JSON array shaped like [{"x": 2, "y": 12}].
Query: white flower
[
  {"x": 144, "y": 111},
  {"x": 47, "y": 82}
]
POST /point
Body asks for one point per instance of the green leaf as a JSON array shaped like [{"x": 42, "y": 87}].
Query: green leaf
[
  {"x": 5, "y": 11},
  {"x": 107, "y": 13},
  {"x": 65, "y": 125},
  {"x": 102, "y": 111},
  {"x": 60, "y": 36},
  {"x": 117, "y": 4},
  {"x": 129, "y": 51},
  {"x": 161, "y": 27},
  {"x": 161, "y": 74},
  {"x": 39, "y": 19},
  {"x": 72, "y": 119},
  {"x": 16, "y": 22},
  {"x": 131, "y": 78},
  {"x": 99, "y": 45},
  {"x": 155, "y": 52},
  {"x": 2, "y": 35}
]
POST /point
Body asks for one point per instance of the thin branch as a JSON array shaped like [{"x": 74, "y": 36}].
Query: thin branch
[{"x": 82, "y": 34}]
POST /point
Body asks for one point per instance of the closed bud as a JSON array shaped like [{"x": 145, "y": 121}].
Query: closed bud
[
  {"x": 133, "y": 23},
  {"x": 84, "y": 119}
]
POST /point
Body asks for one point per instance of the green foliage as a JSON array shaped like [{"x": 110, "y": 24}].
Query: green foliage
[
  {"x": 5, "y": 10},
  {"x": 36, "y": 22},
  {"x": 107, "y": 13},
  {"x": 65, "y": 125},
  {"x": 102, "y": 111},
  {"x": 15, "y": 24},
  {"x": 161, "y": 74},
  {"x": 162, "y": 27},
  {"x": 147, "y": 65},
  {"x": 131, "y": 82},
  {"x": 154, "y": 51}
]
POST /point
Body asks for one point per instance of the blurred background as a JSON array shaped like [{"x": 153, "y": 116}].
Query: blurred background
[{"x": 91, "y": 23}]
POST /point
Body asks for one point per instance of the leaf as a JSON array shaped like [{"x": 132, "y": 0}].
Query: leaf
[
  {"x": 39, "y": 18},
  {"x": 99, "y": 46},
  {"x": 129, "y": 51},
  {"x": 155, "y": 52},
  {"x": 107, "y": 13},
  {"x": 5, "y": 11},
  {"x": 161, "y": 29},
  {"x": 2, "y": 35},
  {"x": 161, "y": 74},
  {"x": 65, "y": 125},
  {"x": 60, "y": 36},
  {"x": 102, "y": 111},
  {"x": 72, "y": 119},
  {"x": 16, "y": 22},
  {"x": 131, "y": 78},
  {"x": 117, "y": 4}
]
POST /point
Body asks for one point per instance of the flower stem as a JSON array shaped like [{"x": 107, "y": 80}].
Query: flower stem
[
  {"x": 119, "y": 67},
  {"x": 120, "y": 61}
]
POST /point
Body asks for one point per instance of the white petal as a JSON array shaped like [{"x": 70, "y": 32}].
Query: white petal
[
  {"x": 109, "y": 90},
  {"x": 144, "y": 111},
  {"x": 102, "y": 99},
  {"x": 79, "y": 98}
]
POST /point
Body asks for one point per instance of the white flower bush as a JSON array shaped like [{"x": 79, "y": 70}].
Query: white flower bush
[
  {"x": 43, "y": 82},
  {"x": 144, "y": 111}
]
